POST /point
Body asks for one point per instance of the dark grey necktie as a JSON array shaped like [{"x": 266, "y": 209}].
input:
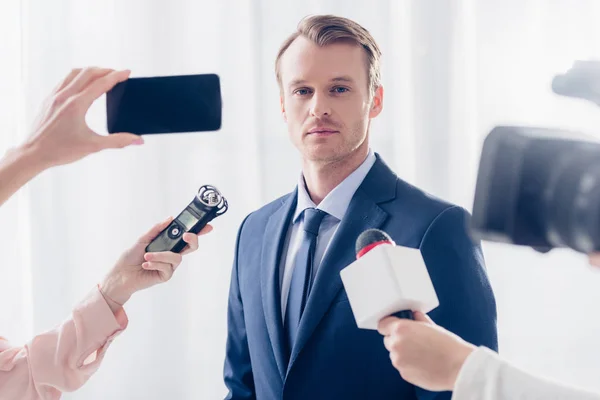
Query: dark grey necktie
[{"x": 302, "y": 277}]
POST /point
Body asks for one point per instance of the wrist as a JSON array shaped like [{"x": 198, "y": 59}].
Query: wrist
[
  {"x": 463, "y": 352},
  {"x": 27, "y": 159},
  {"x": 18, "y": 166},
  {"x": 38, "y": 154},
  {"x": 114, "y": 292}
]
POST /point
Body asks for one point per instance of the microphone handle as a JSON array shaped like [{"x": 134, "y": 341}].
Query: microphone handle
[{"x": 406, "y": 314}]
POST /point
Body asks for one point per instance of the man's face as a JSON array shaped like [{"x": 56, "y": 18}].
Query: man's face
[{"x": 325, "y": 99}]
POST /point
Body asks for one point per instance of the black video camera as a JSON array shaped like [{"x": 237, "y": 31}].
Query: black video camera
[{"x": 540, "y": 187}]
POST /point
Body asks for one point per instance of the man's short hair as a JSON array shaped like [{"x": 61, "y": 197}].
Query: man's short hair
[{"x": 327, "y": 29}]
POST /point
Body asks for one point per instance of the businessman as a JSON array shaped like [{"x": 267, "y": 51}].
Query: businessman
[{"x": 291, "y": 332}]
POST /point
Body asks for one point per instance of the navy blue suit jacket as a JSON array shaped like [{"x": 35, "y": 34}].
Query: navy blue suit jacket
[{"x": 333, "y": 359}]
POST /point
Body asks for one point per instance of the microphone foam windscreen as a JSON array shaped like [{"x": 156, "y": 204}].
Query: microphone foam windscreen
[{"x": 371, "y": 236}]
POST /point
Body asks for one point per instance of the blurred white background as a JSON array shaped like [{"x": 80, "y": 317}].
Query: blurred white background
[{"x": 452, "y": 70}]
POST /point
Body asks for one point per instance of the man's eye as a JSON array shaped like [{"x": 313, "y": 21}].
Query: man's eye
[
  {"x": 340, "y": 89},
  {"x": 302, "y": 92}
]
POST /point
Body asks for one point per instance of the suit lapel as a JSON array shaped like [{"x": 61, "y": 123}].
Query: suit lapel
[{"x": 273, "y": 240}]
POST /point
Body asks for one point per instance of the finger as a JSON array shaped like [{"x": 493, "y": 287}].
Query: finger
[
  {"x": 387, "y": 343},
  {"x": 156, "y": 229},
  {"x": 595, "y": 259},
  {"x": 419, "y": 316},
  {"x": 167, "y": 257},
  {"x": 192, "y": 241},
  {"x": 103, "y": 85},
  {"x": 84, "y": 79},
  {"x": 386, "y": 325},
  {"x": 68, "y": 79},
  {"x": 193, "y": 246},
  {"x": 165, "y": 270},
  {"x": 118, "y": 140},
  {"x": 208, "y": 228}
]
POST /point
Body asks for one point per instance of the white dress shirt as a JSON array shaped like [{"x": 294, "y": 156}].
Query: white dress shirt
[
  {"x": 335, "y": 205},
  {"x": 486, "y": 376}
]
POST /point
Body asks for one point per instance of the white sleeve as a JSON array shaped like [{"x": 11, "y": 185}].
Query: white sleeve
[{"x": 486, "y": 376}]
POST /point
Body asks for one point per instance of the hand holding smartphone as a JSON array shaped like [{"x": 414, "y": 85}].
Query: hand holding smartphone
[{"x": 166, "y": 104}]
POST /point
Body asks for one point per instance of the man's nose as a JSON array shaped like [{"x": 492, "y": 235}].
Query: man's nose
[{"x": 320, "y": 106}]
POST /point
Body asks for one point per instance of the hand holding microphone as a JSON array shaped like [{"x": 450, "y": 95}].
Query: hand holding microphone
[
  {"x": 425, "y": 354},
  {"x": 428, "y": 355}
]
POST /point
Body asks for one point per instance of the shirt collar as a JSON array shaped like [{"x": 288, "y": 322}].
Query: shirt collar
[{"x": 337, "y": 201}]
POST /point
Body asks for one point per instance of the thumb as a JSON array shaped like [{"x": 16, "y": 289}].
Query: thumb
[
  {"x": 595, "y": 259},
  {"x": 419, "y": 316},
  {"x": 120, "y": 140}
]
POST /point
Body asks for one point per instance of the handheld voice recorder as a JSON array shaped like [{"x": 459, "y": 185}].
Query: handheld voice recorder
[{"x": 207, "y": 205}]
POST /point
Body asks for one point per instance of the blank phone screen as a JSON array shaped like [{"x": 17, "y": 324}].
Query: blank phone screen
[{"x": 169, "y": 104}]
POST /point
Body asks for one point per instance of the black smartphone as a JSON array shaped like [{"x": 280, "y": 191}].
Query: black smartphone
[{"x": 165, "y": 104}]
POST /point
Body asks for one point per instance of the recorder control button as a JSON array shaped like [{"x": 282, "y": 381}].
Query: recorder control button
[{"x": 175, "y": 231}]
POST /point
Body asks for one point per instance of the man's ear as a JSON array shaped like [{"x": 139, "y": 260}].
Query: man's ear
[
  {"x": 282, "y": 105},
  {"x": 377, "y": 103}
]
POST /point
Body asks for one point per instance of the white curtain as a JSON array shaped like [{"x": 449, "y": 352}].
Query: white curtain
[{"x": 452, "y": 70}]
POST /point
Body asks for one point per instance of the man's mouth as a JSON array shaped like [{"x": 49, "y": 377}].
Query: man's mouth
[{"x": 322, "y": 131}]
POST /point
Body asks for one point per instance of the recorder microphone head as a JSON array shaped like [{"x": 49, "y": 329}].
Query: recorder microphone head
[{"x": 210, "y": 196}]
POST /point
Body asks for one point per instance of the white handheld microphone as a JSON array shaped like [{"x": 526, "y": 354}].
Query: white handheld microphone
[{"x": 386, "y": 280}]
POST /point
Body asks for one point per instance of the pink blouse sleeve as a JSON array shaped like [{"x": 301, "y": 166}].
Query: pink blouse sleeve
[{"x": 63, "y": 359}]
